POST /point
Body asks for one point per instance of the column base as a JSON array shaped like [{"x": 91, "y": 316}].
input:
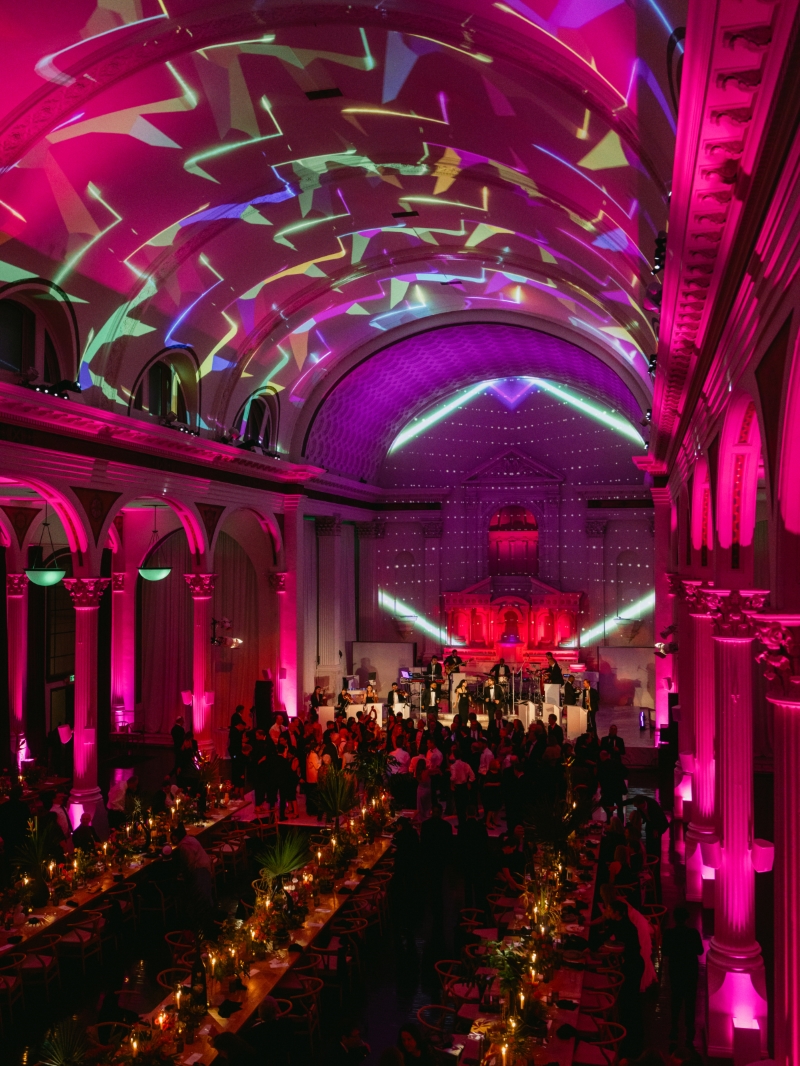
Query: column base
[
  {"x": 737, "y": 998},
  {"x": 682, "y": 795},
  {"x": 84, "y": 801},
  {"x": 699, "y": 877}
]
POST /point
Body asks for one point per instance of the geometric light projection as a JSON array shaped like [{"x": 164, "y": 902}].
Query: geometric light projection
[
  {"x": 511, "y": 392},
  {"x": 398, "y": 609},
  {"x": 608, "y": 625}
]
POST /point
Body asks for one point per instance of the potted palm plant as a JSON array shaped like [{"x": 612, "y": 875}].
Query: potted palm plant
[
  {"x": 31, "y": 857},
  {"x": 288, "y": 853},
  {"x": 337, "y": 794}
]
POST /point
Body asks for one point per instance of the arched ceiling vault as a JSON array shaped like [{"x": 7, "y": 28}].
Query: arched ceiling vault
[{"x": 284, "y": 187}]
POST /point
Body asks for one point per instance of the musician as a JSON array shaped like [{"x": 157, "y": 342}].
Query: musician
[
  {"x": 434, "y": 672},
  {"x": 462, "y": 700},
  {"x": 396, "y": 697},
  {"x": 570, "y": 691},
  {"x": 317, "y": 698},
  {"x": 371, "y": 696},
  {"x": 453, "y": 662},
  {"x": 500, "y": 670},
  {"x": 590, "y": 699},
  {"x": 430, "y": 698},
  {"x": 553, "y": 674},
  {"x": 344, "y": 701}
]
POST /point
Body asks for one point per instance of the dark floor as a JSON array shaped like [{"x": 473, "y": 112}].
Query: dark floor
[{"x": 399, "y": 977}]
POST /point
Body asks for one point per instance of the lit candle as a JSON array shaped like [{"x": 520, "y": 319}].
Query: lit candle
[
  {"x": 521, "y": 1000},
  {"x": 542, "y": 929},
  {"x": 135, "y": 1048},
  {"x": 105, "y": 850},
  {"x": 505, "y": 1049},
  {"x": 319, "y": 856},
  {"x": 213, "y": 964},
  {"x": 178, "y": 998},
  {"x": 333, "y": 842}
]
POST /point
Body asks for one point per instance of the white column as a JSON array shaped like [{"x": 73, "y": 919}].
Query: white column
[
  {"x": 86, "y": 593},
  {"x": 699, "y": 875},
  {"x": 662, "y": 616},
  {"x": 734, "y": 966},
  {"x": 368, "y": 534},
  {"x": 290, "y": 585},
  {"x": 17, "y": 623},
  {"x": 331, "y": 642},
  {"x": 432, "y": 582},
  {"x": 781, "y": 663},
  {"x": 123, "y": 651},
  {"x": 201, "y": 587}
]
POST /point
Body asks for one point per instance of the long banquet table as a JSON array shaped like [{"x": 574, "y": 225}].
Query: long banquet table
[
  {"x": 265, "y": 974},
  {"x": 53, "y": 919},
  {"x": 567, "y": 983}
]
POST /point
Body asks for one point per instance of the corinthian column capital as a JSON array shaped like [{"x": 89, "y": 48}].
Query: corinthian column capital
[
  {"x": 86, "y": 592},
  {"x": 201, "y": 586},
  {"x": 16, "y": 584}
]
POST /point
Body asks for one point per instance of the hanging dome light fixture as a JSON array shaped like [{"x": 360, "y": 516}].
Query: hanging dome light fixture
[
  {"x": 154, "y": 573},
  {"x": 46, "y": 575}
]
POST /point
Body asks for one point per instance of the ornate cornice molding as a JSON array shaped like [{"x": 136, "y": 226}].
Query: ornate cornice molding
[
  {"x": 86, "y": 592},
  {"x": 201, "y": 586},
  {"x": 369, "y": 530},
  {"x": 328, "y": 527}
]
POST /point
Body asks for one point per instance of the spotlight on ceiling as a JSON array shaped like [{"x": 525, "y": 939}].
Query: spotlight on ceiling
[{"x": 663, "y": 650}]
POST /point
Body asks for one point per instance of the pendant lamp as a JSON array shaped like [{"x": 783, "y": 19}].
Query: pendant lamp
[
  {"x": 154, "y": 573},
  {"x": 46, "y": 575}
]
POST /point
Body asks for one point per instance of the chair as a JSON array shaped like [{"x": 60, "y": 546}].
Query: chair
[
  {"x": 353, "y": 933},
  {"x": 335, "y": 967},
  {"x": 603, "y": 1051},
  {"x": 83, "y": 941},
  {"x": 449, "y": 971},
  {"x": 41, "y": 964},
  {"x": 107, "y": 1036},
  {"x": 179, "y": 943},
  {"x": 597, "y": 1002},
  {"x": 124, "y": 895},
  {"x": 157, "y": 903},
  {"x": 304, "y": 1015},
  {"x": 174, "y": 977},
  {"x": 11, "y": 991},
  {"x": 605, "y": 980},
  {"x": 438, "y": 1021},
  {"x": 112, "y": 920},
  {"x": 307, "y": 964}
]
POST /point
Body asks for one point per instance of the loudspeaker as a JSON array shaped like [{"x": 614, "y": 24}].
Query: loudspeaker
[{"x": 262, "y": 701}]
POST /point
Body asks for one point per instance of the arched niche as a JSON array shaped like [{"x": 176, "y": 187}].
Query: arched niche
[{"x": 737, "y": 478}]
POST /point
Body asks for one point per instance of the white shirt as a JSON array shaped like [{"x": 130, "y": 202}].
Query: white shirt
[
  {"x": 461, "y": 773},
  {"x": 487, "y": 758},
  {"x": 434, "y": 760},
  {"x": 401, "y": 761},
  {"x": 116, "y": 796}
]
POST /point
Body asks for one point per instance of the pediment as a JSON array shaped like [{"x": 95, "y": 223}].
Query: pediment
[{"x": 512, "y": 467}]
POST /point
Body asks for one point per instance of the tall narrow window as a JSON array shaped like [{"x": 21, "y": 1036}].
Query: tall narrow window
[
  {"x": 17, "y": 337},
  {"x": 159, "y": 384},
  {"x": 51, "y": 372}
]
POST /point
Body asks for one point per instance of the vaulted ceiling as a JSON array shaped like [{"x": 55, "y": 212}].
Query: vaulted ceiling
[{"x": 287, "y": 189}]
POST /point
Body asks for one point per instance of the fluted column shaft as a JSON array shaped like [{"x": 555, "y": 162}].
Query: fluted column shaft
[
  {"x": 123, "y": 651},
  {"x": 734, "y": 921},
  {"x": 86, "y": 594},
  {"x": 662, "y": 616},
  {"x": 290, "y": 588},
  {"x": 734, "y": 966},
  {"x": 201, "y": 587},
  {"x": 368, "y": 534},
  {"x": 781, "y": 662},
  {"x": 17, "y": 624},
  {"x": 701, "y": 824},
  {"x": 329, "y": 547}
]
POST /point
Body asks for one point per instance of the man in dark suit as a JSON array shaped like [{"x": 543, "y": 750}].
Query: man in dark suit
[
  {"x": 554, "y": 674},
  {"x": 570, "y": 692},
  {"x": 395, "y": 697},
  {"x": 555, "y": 734},
  {"x": 613, "y": 744},
  {"x": 435, "y": 669},
  {"x": 590, "y": 699},
  {"x": 500, "y": 670}
]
